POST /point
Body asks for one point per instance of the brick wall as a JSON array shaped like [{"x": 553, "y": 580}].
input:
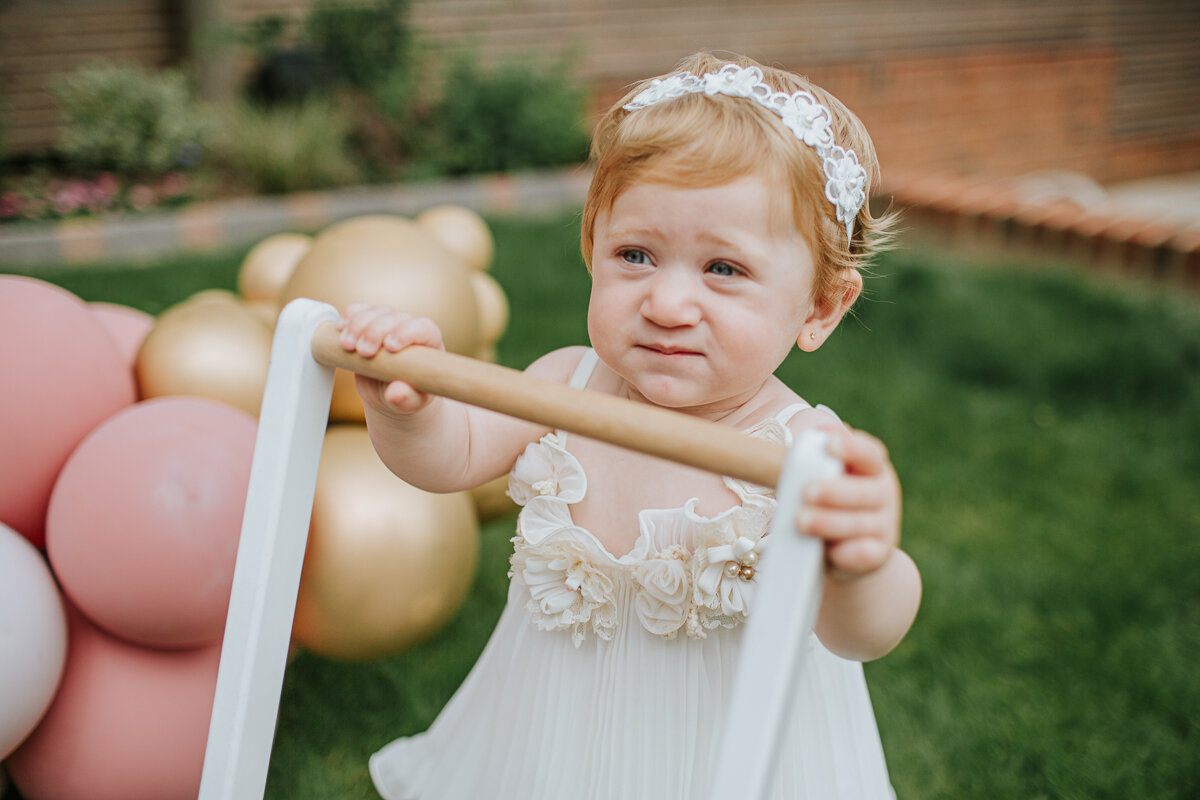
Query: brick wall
[
  {"x": 991, "y": 87},
  {"x": 40, "y": 39},
  {"x": 998, "y": 112}
]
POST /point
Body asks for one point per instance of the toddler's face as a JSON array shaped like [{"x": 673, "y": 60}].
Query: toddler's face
[{"x": 698, "y": 294}]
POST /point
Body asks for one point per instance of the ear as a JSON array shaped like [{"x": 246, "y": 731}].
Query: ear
[{"x": 827, "y": 312}]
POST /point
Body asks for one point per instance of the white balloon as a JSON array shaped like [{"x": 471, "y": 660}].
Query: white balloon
[{"x": 33, "y": 638}]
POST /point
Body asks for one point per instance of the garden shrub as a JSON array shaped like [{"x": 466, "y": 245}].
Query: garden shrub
[
  {"x": 124, "y": 118},
  {"x": 516, "y": 115},
  {"x": 363, "y": 45},
  {"x": 360, "y": 54},
  {"x": 286, "y": 148},
  {"x": 3, "y": 136}
]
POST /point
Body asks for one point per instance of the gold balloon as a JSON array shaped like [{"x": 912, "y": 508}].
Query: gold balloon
[
  {"x": 492, "y": 500},
  {"x": 345, "y": 405},
  {"x": 267, "y": 267},
  {"x": 267, "y": 310},
  {"x": 391, "y": 261},
  {"x": 209, "y": 346},
  {"x": 462, "y": 232},
  {"x": 213, "y": 296},
  {"x": 387, "y": 564},
  {"x": 493, "y": 307}
]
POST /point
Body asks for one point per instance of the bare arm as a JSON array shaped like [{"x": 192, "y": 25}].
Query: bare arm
[
  {"x": 434, "y": 443},
  {"x": 864, "y": 617}
]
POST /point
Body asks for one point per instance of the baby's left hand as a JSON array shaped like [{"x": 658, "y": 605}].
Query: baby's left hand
[{"x": 858, "y": 513}]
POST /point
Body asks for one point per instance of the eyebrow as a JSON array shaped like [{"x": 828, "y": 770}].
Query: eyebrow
[{"x": 706, "y": 236}]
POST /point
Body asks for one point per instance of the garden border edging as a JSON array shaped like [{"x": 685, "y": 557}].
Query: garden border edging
[{"x": 244, "y": 221}]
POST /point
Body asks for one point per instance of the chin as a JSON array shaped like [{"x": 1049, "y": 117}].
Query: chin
[{"x": 667, "y": 394}]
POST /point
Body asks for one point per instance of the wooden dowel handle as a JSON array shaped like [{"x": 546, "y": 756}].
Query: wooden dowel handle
[{"x": 654, "y": 431}]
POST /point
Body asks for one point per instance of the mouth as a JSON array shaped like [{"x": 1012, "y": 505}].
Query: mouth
[{"x": 668, "y": 350}]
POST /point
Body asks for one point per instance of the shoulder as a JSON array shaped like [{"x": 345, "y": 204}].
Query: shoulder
[
  {"x": 778, "y": 401},
  {"x": 557, "y": 365},
  {"x": 819, "y": 416}
]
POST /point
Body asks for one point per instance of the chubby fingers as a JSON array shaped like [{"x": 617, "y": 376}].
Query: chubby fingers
[
  {"x": 837, "y": 523},
  {"x": 858, "y": 512},
  {"x": 368, "y": 329},
  {"x": 356, "y": 324},
  {"x": 862, "y": 453},
  {"x": 857, "y": 540},
  {"x": 395, "y": 396},
  {"x": 856, "y": 557}
]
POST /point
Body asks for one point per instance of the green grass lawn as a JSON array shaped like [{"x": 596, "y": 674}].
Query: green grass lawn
[{"x": 1046, "y": 427}]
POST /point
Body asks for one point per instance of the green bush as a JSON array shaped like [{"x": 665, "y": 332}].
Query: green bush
[
  {"x": 286, "y": 148},
  {"x": 364, "y": 45},
  {"x": 358, "y": 53},
  {"x": 520, "y": 114},
  {"x": 125, "y": 118},
  {"x": 516, "y": 115},
  {"x": 3, "y": 137}
]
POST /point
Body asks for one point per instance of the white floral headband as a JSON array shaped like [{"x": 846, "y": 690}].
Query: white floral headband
[{"x": 846, "y": 180}]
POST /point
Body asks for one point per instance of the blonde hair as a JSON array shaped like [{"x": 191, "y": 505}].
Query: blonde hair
[{"x": 701, "y": 140}]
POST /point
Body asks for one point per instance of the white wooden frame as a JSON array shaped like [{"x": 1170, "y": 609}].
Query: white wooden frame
[{"x": 283, "y": 477}]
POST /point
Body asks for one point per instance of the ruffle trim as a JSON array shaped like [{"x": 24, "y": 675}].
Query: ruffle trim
[{"x": 571, "y": 577}]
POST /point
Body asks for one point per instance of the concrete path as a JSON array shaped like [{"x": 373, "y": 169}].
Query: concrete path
[{"x": 1174, "y": 199}]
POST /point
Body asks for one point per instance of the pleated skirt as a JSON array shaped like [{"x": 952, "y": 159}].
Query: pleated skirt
[{"x": 637, "y": 716}]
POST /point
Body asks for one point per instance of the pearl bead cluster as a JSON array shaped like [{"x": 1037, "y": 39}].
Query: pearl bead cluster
[{"x": 742, "y": 568}]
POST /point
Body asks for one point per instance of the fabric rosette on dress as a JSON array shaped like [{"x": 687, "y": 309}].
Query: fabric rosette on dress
[
  {"x": 703, "y": 581},
  {"x": 546, "y": 469},
  {"x": 663, "y": 601},
  {"x": 557, "y": 561},
  {"x": 568, "y": 587}
]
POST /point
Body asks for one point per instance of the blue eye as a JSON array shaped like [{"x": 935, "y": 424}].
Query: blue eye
[
  {"x": 723, "y": 269},
  {"x": 634, "y": 256}
]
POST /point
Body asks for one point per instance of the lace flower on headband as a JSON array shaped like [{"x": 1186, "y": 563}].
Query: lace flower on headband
[{"x": 811, "y": 122}]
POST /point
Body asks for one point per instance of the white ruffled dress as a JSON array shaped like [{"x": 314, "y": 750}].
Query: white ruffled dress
[{"x": 607, "y": 678}]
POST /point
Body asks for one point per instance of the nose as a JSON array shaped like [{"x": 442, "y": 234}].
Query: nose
[{"x": 671, "y": 299}]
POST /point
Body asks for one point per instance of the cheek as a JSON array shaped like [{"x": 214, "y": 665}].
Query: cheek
[
  {"x": 758, "y": 339},
  {"x": 610, "y": 301},
  {"x": 601, "y": 317}
]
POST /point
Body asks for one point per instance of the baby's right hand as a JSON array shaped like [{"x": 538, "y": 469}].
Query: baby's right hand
[{"x": 367, "y": 329}]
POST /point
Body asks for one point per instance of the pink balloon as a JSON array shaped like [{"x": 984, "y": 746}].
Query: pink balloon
[
  {"x": 128, "y": 723},
  {"x": 33, "y": 639},
  {"x": 127, "y": 327},
  {"x": 144, "y": 521},
  {"x": 62, "y": 375}
]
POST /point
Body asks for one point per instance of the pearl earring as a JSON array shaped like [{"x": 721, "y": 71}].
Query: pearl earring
[{"x": 812, "y": 335}]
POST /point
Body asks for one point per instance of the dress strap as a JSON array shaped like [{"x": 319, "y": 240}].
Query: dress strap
[
  {"x": 579, "y": 380},
  {"x": 785, "y": 414},
  {"x": 583, "y": 372},
  {"x": 829, "y": 411}
]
